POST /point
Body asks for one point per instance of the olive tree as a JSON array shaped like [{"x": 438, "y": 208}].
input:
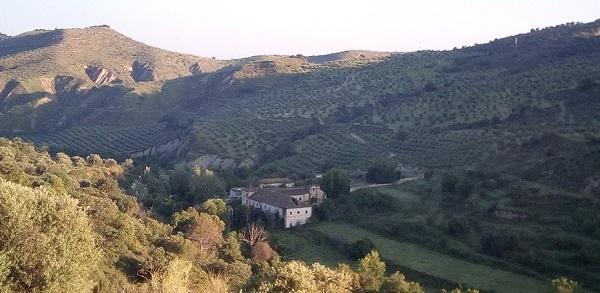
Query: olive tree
[{"x": 46, "y": 242}]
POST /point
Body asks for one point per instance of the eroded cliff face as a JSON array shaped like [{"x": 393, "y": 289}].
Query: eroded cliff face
[
  {"x": 196, "y": 69},
  {"x": 142, "y": 71},
  {"x": 100, "y": 75}
]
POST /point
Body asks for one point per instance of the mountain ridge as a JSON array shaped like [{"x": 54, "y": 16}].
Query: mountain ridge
[{"x": 423, "y": 109}]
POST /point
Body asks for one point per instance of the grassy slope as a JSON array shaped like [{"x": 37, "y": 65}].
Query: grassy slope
[
  {"x": 299, "y": 247},
  {"x": 439, "y": 265}
]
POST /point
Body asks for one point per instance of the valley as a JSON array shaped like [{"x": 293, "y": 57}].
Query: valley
[{"x": 476, "y": 167}]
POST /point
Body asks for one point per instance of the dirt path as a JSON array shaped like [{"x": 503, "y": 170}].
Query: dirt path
[{"x": 420, "y": 176}]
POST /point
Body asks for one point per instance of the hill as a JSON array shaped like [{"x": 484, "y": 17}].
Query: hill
[
  {"x": 68, "y": 227},
  {"x": 97, "y": 55},
  {"x": 463, "y": 108}
]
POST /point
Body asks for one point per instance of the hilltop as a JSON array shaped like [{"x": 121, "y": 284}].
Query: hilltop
[{"x": 106, "y": 56}]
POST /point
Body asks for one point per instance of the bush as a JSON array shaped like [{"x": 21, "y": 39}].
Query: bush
[
  {"x": 464, "y": 188},
  {"x": 499, "y": 243},
  {"x": 428, "y": 174},
  {"x": 449, "y": 183},
  {"x": 361, "y": 248},
  {"x": 47, "y": 242},
  {"x": 458, "y": 226},
  {"x": 382, "y": 172}
]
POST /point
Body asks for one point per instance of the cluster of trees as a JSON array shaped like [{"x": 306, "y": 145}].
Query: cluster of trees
[
  {"x": 168, "y": 191},
  {"x": 369, "y": 276},
  {"x": 342, "y": 204},
  {"x": 67, "y": 226},
  {"x": 382, "y": 172}
]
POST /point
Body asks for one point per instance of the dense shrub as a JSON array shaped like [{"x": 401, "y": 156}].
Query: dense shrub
[
  {"x": 360, "y": 248},
  {"x": 449, "y": 183},
  {"x": 458, "y": 226},
  {"x": 382, "y": 172},
  {"x": 498, "y": 243},
  {"x": 47, "y": 242}
]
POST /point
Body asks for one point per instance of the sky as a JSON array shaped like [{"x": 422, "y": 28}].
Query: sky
[{"x": 234, "y": 29}]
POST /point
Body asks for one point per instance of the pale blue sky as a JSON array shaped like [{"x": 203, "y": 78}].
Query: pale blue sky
[{"x": 231, "y": 29}]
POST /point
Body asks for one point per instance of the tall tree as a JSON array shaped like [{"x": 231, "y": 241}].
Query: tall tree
[
  {"x": 335, "y": 183},
  {"x": 204, "y": 229},
  {"x": 372, "y": 272}
]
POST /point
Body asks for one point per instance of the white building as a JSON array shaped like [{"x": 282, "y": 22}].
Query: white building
[
  {"x": 275, "y": 182},
  {"x": 239, "y": 192},
  {"x": 292, "y": 205}
]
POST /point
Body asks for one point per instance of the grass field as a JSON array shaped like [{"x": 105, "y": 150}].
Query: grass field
[
  {"x": 299, "y": 247},
  {"x": 437, "y": 264}
]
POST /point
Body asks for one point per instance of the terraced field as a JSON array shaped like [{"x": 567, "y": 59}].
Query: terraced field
[{"x": 104, "y": 140}]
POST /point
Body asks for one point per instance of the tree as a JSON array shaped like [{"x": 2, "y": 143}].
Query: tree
[
  {"x": 397, "y": 283},
  {"x": 498, "y": 243},
  {"x": 231, "y": 250},
  {"x": 204, "y": 229},
  {"x": 458, "y": 226},
  {"x": 262, "y": 251},
  {"x": 179, "y": 180},
  {"x": 254, "y": 234},
  {"x": 203, "y": 185},
  {"x": 464, "y": 188},
  {"x": 449, "y": 183},
  {"x": 564, "y": 285},
  {"x": 460, "y": 290},
  {"x": 361, "y": 248},
  {"x": 295, "y": 276},
  {"x": 215, "y": 206},
  {"x": 428, "y": 174},
  {"x": 174, "y": 277},
  {"x": 335, "y": 183},
  {"x": 47, "y": 243},
  {"x": 382, "y": 172},
  {"x": 372, "y": 272}
]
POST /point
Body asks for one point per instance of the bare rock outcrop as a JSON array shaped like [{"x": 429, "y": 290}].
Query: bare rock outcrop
[
  {"x": 219, "y": 163},
  {"x": 196, "y": 69},
  {"x": 65, "y": 85},
  {"x": 99, "y": 75},
  {"x": 141, "y": 72},
  {"x": 11, "y": 88}
]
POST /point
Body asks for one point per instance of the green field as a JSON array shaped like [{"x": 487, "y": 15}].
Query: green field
[
  {"x": 298, "y": 247},
  {"x": 437, "y": 264}
]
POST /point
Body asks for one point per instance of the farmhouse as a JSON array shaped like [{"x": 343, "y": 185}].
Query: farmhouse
[
  {"x": 275, "y": 182},
  {"x": 239, "y": 192},
  {"x": 293, "y": 205}
]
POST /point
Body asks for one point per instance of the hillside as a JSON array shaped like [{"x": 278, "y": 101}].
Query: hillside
[
  {"x": 100, "y": 50},
  {"x": 68, "y": 227},
  {"x": 299, "y": 115}
]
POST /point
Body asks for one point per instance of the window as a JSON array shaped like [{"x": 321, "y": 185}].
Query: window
[
  {"x": 290, "y": 213},
  {"x": 297, "y": 212},
  {"x": 306, "y": 212}
]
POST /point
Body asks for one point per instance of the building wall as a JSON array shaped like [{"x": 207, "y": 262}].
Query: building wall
[
  {"x": 267, "y": 185},
  {"x": 263, "y": 206},
  {"x": 296, "y": 217},
  {"x": 302, "y": 197},
  {"x": 316, "y": 193},
  {"x": 235, "y": 193}
]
